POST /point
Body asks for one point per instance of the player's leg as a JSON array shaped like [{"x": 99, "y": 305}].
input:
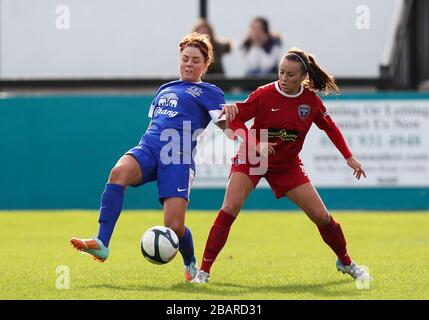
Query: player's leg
[
  {"x": 307, "y": 198},
  {"x": 295, "y": 184},
  {"x": 238, "y": 188},
  {"x": 174, "y": 218},
  {"x": 174, "y": 187},
  {"x": 126, "y": 172}
]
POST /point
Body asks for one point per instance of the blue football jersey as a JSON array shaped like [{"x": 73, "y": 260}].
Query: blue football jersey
[{"x": 180, "y": 111}]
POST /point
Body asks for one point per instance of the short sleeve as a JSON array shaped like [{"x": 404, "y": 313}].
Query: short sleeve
[
  {"x": 152, "y": 105},
  {"x": 213, "y": 100},
  {"x": 151, "y": 109}
]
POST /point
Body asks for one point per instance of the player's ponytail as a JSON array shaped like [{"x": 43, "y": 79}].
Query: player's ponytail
[{"x": 318, "y": 78}]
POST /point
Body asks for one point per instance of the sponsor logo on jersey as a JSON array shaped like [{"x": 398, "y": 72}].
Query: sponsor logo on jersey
[
  {"x": 283, "y": 134},
  {"x": 168, "y": 100},
  {"x": 304, "y": 111},
  {"x": 160, "y": 111}
]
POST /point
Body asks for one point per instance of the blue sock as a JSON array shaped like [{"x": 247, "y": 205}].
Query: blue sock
[
  {"x": 186, "y": 247},
  {"x": 110, "y": 209}
]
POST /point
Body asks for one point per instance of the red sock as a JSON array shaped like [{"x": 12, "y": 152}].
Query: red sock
[
  {"x": 216, "y": 239},
  {"x": 333, "y": 236}
]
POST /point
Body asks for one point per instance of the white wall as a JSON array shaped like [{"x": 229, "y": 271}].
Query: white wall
[
  {"x": 107, "y": 38},
  {"x": 138, "y": 38}
]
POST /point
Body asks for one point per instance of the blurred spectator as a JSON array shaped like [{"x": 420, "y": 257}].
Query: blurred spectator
[
  {"x": 220, "y": 47},
  {"x": 262, "y": 49}
]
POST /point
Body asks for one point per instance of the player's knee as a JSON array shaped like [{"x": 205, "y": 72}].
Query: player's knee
[
  {"x": 322, "y": 219},
  {"x": 118, "y": 175},
  {"x": 178, "y": 228},
  {"x": 231, "y": 208}
]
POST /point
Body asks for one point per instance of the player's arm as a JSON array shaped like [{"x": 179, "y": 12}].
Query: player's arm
[
  {"x": 150, "y": 115},
  {"x": 236, "y": 115},
  {"x": 237, "y": 128},
  {"x": 213, "y": 102},
  {"x": 229, "y": 112},
  {"x": 152, "y": 107},
  {"x": 325, "y": 123},
  {"x": 221, "y": 123},
  {"x": 228, "y": 130}
]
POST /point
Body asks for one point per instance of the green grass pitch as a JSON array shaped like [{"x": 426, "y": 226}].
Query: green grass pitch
[{"x": 269, "y": 255}]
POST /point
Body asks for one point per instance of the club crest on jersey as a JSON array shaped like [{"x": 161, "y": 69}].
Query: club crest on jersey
[
  {"x": 168, "y": 100},
  {"x": 194, "y": 91},
  {"x": 304, "y": 111}
]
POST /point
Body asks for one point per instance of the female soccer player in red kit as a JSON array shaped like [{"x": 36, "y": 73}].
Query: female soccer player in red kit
[{"x": 286, "y": 109}]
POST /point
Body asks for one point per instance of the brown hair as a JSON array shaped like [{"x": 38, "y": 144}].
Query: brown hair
[
  {"x": 204, "y": 24},
  {"x": 200, "y": 41},
  {"x": 318, "y": 78},
  {"x": 247, "y": 43}
]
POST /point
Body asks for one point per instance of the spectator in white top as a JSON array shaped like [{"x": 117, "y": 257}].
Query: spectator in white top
[{"x": 262, "y": 49}]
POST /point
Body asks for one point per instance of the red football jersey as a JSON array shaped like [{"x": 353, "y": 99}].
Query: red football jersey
[{"x": 288, "y": 119}]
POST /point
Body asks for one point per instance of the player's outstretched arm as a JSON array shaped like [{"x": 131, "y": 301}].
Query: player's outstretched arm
[
  {"x": 223, "y": 125},
  {"x": 338, "y": 140},
  {"x": 356, "y": 166},
  {"x": 228, "y": 112}
]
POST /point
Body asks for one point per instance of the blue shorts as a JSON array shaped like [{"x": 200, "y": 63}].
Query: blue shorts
[{"x": 173, "y": 180}]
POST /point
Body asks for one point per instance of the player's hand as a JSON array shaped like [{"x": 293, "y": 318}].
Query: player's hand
[
  {"x": 266, "y": 149},
  {"x": 230, "y": 111},
  {"x": 356, "y": 166}
]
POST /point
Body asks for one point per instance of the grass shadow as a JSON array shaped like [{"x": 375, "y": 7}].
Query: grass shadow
[
  {"x": 144, "y": 288},
  {"x": 234, "y": 290},
  {"x": 324, "y": 289}
]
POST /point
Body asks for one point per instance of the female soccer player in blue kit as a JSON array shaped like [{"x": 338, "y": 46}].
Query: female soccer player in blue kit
[{"x": 180, "y": 110}]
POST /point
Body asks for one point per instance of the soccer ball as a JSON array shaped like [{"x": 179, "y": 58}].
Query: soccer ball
[{"x": 159, "y": 245}]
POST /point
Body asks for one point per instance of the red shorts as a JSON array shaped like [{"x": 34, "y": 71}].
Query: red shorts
[{"x": 280, "y": 180}]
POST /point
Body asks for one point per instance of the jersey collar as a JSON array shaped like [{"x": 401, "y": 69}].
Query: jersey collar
[{"x": 288, "y": 95}]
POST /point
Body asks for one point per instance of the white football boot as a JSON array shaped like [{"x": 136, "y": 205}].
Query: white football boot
[
  {"x": 201, "y": 277},
  {"x": 355, "y": 271}
]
